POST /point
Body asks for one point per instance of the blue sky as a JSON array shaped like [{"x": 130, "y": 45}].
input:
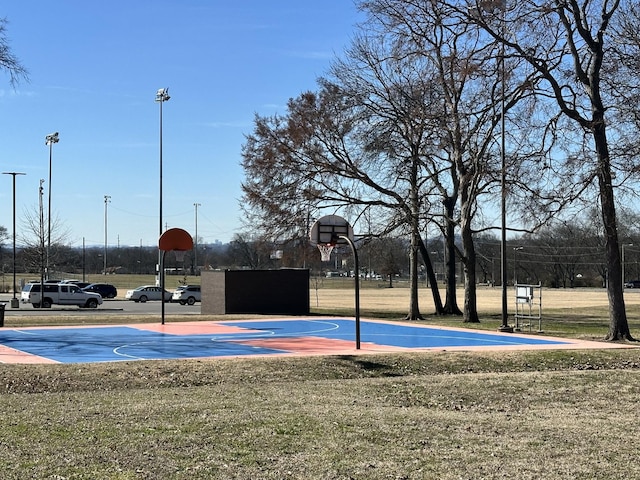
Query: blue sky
[{"x": 94, "y": 70}]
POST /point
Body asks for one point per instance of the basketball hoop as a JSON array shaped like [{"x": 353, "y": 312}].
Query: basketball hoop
[
  {"x": 325, "y": 251},
  {"x": 179, "y": 255},
  {"x": 329, "y": 231}
]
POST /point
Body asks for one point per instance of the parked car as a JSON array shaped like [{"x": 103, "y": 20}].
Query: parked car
[
  {"x": 632, "y": 284},
  {"x": 105, "y": 290},
  {"x": 186, "y": 294},
  {"x": 58, "y": 294},
  {"x": 79, "y": 283},
  {"x": 147, "y": 292}
]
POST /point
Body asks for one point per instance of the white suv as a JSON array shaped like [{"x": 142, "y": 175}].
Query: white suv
[
  {"x": 186, "y": 294},
  {"x": 58, "y": 294}
]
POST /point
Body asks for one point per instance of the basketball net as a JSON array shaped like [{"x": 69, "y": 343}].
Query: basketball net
[
  {"x": 180, "y": 255},
  {"x": 325, "y": 251}
]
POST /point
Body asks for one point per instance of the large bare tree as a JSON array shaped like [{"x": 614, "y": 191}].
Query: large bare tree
[
  {"x": 464, "y": 166},
  {"x": 567, "y": 42},
  {"x": 324, "y": 152}
]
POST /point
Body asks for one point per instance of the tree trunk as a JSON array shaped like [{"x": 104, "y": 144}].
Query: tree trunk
[
  {"x": 451, "y": 301},
  {"x": 414, "y": 310},
  {"x": 618, "y": 324},
  {"x": 431, "y": 276},
  {"x": 470, "y": 309}
]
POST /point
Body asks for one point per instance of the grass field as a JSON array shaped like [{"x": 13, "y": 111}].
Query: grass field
[{"x": 436, "y": 415}]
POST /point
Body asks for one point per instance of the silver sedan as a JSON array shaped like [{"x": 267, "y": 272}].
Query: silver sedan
[{"x": 145, "y": 293}]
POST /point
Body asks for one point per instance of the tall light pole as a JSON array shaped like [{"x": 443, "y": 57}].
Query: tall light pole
[
  {"x": 107, "y": 199},
  {"x": 162, "y": 95},
  {"x": 49, "y": 140},
  {"x": 41, "y": 235},
  {"x": 504, "y": 327},
  {"x": 195, "y": 243},
  {"x": 14, "y": 301},
  {"x": 501, "y": 7}
]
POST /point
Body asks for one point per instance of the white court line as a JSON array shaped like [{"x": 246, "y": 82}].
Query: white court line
[
  {"x": 273, "y": 334},
  {"x": 25, "y": 332},
  {"x": 474, "y": 339},
  {"x": 127, "y": 345}
]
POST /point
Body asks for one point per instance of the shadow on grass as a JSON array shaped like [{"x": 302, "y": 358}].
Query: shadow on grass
[{"x": 376, "y": 368}]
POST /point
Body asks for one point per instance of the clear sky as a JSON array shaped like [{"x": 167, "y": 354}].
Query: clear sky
[{"x": 94, "y": 70}]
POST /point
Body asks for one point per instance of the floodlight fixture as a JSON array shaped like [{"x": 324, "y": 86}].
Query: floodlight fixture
[
  {"x": 51, "y": 138},
  {"x": 162, "y": 95}
]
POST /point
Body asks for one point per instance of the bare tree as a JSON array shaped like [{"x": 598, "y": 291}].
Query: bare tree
[
  {"x": 565, "y": 42},
  {"x": 464, "y": 166},
  {"x": 390, "y": 256},
  {"x": 326, "y": 151},
  {"x": 251, "y": 251},
  {"x": 8, "y": 61},
  {"x": 34, "y": 237}
]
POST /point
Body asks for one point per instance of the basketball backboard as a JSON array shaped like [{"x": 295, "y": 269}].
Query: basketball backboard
[
  {"x": 328, "y": 229},
  {"x": 175, "y": 239}
]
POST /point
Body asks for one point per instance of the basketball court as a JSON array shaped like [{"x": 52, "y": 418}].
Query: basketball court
[
  {"x": 279, "y": 337},
  {"x": 285, "y": 337}
]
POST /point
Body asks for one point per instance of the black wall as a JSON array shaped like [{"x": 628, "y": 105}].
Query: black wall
[{"x": 280, "y": 292}]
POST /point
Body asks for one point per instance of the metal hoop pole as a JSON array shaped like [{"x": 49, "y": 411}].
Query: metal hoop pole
[{"x": 356, "y": 287}]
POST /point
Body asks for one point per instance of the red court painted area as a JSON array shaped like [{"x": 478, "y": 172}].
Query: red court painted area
[{"x": 11, "y": 355}]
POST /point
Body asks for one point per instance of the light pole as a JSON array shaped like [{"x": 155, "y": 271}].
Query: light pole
[
  {"x": 107, "y": 199},
  {"x": 14, "y": 301},
  {"x": 624, "y": 245},
  {"x": 501, "y": 7},
  {"x": 49, "y": 140},
  {"x": 162, "y": 95},
  {"x": 504, "y": 327},
  {"x": 41, "y": 239},
  {"x": 195, "y": 243}
]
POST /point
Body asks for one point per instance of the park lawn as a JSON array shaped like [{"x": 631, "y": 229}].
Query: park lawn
[
  {"x": 530, "y": 415},
  {"x": 441, "y": 415}
]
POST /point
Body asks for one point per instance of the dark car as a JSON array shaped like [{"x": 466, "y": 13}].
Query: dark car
[
  {"x": 632, "y": 284},
  {"x": 79, "y": 283},
  {"x": 106, "y": 290}
]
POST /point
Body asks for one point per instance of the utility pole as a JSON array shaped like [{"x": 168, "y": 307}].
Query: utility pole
[
  {"x": 107, "y": 199},
  {"x": 195, "y": 243}
]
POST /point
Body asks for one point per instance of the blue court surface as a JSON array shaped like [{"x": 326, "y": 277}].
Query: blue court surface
[{"x": 243, "y": 338}]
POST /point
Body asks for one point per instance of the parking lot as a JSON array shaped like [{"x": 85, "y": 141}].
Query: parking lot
[{"x": 115, "y": 306}]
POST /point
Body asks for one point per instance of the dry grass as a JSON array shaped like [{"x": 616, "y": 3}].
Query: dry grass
[
  {"x": 437, "y": 415},
  {"x": 442, "y": 416},
  {"x": 382, "y": 299},
  {"x": 576, "y": 313}
]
